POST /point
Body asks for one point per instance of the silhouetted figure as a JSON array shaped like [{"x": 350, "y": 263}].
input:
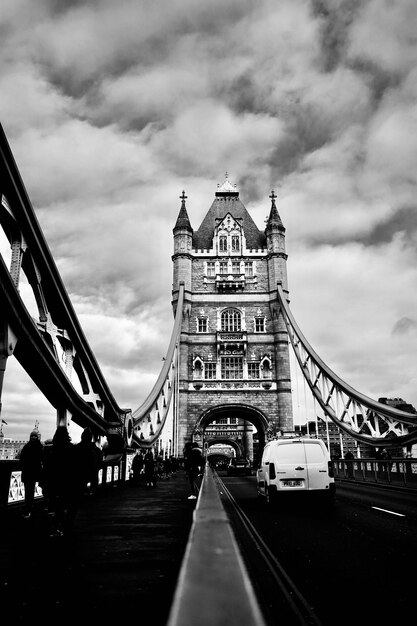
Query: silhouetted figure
[
  {"x": 149, "y": 466},
  {"x": 87, "y": 463},
  {"x": 167, "y": 468},
  {"x": 59, "y": 463},
  {"x": 349, "y": 466},
  {"x": 137, "y": 466},
  {"x": 195, "y": 466},
  {"x": 31, "y": 466}
]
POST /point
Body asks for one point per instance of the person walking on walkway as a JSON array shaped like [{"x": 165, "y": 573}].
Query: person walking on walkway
[
  {"x": 59, "y": 462},
  {"x": 149, "y": 466},
  {"x": 31, "y": 466},
  {"x": 137, "y": 466},
  {"x": 195, "y": 465},
  {"x": 87, "y": 459}
]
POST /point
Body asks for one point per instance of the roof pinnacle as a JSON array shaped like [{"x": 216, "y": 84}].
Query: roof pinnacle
[
  {"x": 183, "y": 198},
  {"x": 183, "y": 219},
  {"x": 273, "y": 214}
]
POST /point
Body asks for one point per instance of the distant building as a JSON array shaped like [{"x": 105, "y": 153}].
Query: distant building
[{"x": 10, "y": 448}]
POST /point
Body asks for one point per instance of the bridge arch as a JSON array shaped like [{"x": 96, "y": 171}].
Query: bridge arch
[
  {"x": 237, "y": 410},
  {"x": 227, "y": 441}
]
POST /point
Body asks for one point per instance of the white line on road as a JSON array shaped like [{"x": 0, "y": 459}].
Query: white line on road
[{"x": 386, "y": 511}]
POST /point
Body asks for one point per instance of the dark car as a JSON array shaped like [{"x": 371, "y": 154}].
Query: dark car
[{"x": 239, "y": 466}]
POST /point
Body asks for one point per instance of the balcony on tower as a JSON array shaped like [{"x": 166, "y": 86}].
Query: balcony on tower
[{"x": 230, "y": 282}]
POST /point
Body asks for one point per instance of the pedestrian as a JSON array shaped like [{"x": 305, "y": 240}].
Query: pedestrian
[
  {"x": 195, "y": 466},
  {"x": 87, "y": 464},
  {"x": 349, "y": 466},
  {"x": 59, "y": 461},
  {"x": 31, "y": 466},
  {"x": 149, "y": 467},
  {"x": 167, "y": 467},
  {"x": 137, "y": 466}
]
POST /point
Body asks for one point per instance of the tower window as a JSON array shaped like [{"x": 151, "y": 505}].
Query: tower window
[
  {"x": 231, "y": 321},
  {"x": 223, "y": 267},
  {"x": 223, "y": 243},
  {"x": 210, "y": 371},
  {"x": 211, "y": 269},
  {"x": 235, "y": 267},
  {"x": 248, "y": 268},
  {"x": 235, "y": 243},
  {"x": 259, "y": 324},
  {"x": 202, "y": 324},
  {"x": 232, "y": 367},
  {"x": 253, "y": 370}
]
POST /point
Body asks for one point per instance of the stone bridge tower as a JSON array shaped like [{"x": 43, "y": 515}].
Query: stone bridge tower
[{"x": 234, "y": 352}]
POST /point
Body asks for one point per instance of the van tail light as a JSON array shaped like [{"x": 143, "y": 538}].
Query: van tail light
[
  {"x": 272, "y": 470},
  {"x": 330, "y": 466}
]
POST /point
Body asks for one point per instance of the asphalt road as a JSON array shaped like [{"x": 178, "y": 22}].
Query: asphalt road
[{"x": 353, "y": 564}]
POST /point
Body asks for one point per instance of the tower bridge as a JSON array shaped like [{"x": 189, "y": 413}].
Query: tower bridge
[
  {"x": 225, "y": 382},
  {"x": 228, "y": 359}
]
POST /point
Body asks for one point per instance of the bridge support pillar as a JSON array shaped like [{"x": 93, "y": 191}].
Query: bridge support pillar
[
  {"x": 8, "y": 342},
  {"x": 61, "y": 417}
]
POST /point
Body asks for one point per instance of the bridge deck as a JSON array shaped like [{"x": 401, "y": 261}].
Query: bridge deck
[{"x": 121, "y": 561}]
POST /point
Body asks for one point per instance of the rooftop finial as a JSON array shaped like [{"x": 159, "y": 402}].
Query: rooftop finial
[
  {"x": 227, "y": 188},
  {"x": 183, "y": 198},
  {"x": 273, "y": 196}
]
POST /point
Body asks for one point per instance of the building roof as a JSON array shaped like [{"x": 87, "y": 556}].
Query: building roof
[{"x": 227, "y": 201}]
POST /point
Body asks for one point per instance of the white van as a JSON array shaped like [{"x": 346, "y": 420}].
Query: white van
[{"x": 295, "y": 465}]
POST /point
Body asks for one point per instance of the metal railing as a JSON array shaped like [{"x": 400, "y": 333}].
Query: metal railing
[
  {"x": 386, "y": 472},
  {"x": 12, "y": 490}
]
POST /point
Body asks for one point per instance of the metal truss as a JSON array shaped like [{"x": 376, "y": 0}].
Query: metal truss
[
  {"x": 51, "y": 348},
  {"x": 158, "y": 411},
  {"x": 364, "y": 419}
]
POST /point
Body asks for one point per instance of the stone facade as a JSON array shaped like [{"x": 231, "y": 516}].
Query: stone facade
[{"x": 234, "y": 351}]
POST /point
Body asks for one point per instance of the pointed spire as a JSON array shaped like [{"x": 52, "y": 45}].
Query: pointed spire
[
  {"x": 274, "y": 217},
  {"x": 183, "y": 219}
]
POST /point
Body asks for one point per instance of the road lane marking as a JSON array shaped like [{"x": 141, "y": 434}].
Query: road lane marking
[{"x": 387, "y": 511}]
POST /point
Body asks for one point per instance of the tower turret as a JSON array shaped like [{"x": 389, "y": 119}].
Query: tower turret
[
  {"x": 183, "y": 235},
  {"x": 277, "y": 257}
]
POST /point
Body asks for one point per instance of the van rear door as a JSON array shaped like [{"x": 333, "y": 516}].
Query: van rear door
[
  {"x": 291, "y": 465},
  {"x": 317, "y": 468}
]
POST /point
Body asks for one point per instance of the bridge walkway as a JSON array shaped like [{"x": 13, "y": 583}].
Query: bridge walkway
[{"x": 121, "y": 561}]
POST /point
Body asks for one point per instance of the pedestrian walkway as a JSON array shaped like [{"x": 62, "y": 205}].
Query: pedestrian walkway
[{"x": 120, "y": 563}]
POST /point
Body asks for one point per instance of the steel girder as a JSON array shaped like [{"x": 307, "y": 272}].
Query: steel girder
[
  {"x": 364, "y": 419},
  {"x": 158, "y": 410},
  {"x": 52, "y": 347}
]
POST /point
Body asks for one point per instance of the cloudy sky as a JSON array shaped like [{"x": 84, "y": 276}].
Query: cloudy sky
[{"x": 113, "y": 108}]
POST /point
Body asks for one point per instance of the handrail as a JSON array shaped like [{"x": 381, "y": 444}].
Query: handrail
[{"x": 213, "y": 586}]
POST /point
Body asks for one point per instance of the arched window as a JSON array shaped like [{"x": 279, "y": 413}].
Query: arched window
[
  {"x": 223, "y": 243},
  {"x": 231, "y": 320},
  {"x": 235, "y": 243}
]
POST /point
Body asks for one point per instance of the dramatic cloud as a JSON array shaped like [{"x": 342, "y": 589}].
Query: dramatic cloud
[{"x": 112, "y": 109}]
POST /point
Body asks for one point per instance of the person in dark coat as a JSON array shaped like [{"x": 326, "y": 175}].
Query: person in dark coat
[
  {"x": 195, "y": 467},
  {"x": 137, "y": 466},
  {"x": 31, "y": 466},
  {"x": 87, "y": 463},
  {"x": 149, "y": 466},
  {"x": 60, "y": 482}
]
